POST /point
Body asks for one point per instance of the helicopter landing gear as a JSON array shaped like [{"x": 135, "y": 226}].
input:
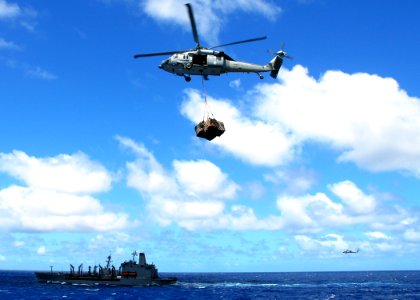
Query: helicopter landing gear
[
  {"x": 259, "y": 75},
  {"x": 187, "y": 78}
]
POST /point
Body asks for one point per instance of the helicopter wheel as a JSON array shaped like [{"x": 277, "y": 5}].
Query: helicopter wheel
[{"x": 187, "y": 78}]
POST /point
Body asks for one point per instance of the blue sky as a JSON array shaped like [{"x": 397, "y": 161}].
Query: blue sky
[{"x": 98, "y": 153}]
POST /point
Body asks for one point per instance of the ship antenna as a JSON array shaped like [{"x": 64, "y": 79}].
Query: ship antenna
[
  {"x": 108, "y": 262},
  {"x": 134, "y": 255}
]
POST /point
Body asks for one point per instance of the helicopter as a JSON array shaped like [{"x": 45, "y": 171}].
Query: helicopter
[
  {"x": 208, "y": 61},
  {"x": 348, "y": 251}
]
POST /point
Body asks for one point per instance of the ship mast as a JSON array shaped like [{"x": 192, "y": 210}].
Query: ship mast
[
  {"x": 108, "y": 261},
  {"x": 134, "y": 255}
]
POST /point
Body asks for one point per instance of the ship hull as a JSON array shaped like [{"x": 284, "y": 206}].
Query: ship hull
[{"x": 65, "y": 278}]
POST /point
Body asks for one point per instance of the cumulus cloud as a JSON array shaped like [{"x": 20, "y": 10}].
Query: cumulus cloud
[
  {"x": 350, "y": 206},
  {"x": 355, "y": 200},
  {"x": 332, "y": 243},
  {"x": 209, "y": 15},
  {"x": 203, "y": 178},
  {"x": 57, "y": 195},
  {"x": 183, "y": 193},
  {"x": 311, "y": 213},
  {"x": 248, "y": 139},
  {"x": 370, "y": 119},
  {"x": 196, "y": 194},
  {"x": 63, "y": 173},
  {"x": 193, "y": 194},
  {"x": 28, "y": 209}
]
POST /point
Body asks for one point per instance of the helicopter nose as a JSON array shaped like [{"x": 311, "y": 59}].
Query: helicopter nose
[{"x": 163, "y": 63}]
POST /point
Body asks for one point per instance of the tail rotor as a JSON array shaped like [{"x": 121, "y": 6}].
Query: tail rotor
[
  {"x": 278, "y": 61},
  {"x": 281, "y": 53}
]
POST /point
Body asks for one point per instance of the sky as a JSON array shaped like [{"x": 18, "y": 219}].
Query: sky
[{"x": 98, "y": 153}]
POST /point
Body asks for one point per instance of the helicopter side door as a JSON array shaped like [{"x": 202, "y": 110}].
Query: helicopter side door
[{"x": 199, "y": 59}]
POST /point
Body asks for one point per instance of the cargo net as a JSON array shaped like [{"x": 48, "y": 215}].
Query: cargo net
[{"x": 209, "y": 128}]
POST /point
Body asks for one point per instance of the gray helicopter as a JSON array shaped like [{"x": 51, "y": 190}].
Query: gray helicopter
[
  {"x": 207, "y": 61},
  {"x": 348, "y": 251}
]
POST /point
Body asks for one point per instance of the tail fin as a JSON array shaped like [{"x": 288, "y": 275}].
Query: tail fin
[{"x": 275, "y": 63}]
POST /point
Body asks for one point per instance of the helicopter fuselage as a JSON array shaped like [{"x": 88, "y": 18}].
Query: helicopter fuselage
[{"x": 208, "y": 62}]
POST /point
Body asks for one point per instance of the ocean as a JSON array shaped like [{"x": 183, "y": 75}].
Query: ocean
[{"x": 283, "y": 285}]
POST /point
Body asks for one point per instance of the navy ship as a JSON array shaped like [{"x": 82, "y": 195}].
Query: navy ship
[{"x": 130, "y": 273}]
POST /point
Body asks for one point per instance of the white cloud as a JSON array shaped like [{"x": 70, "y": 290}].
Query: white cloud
[
  {"x": 34, "y": 209},
  {"x": 316, "y": 213},
  {"x": 369, "y": 118},
  {"x": 412, "y": 235},
  {"x": 209, "y": 15},
  {"x": 193, "y": 194},
  {"x": 63, "y": 173},
  {"x": 9, "y": 10},
  {"x": 355, "y": 200},
  {"x": 311, "y": 213},
  {"x": 146, "y": 174},
  {"x": 24, "y": 16},
  {"x": 251, "y": 140},
  {"x": 377, "y": 235},
  {"x": 109, "y": 240},
  {"x": 57, "y": 196},
  {"x": 41, "y": 250},
  {"x": 236, "y": 217},
  {"x": 203, "y": 178},
  {"x": 187, "y": 213},
  {"x": 329, "y": 243}
]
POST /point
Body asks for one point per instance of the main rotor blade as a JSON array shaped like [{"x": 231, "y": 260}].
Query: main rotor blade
[
  {"x": 193, "y": 26},
  {"x": 240, "y": 42},
  {"x": 157, "y": 53}
]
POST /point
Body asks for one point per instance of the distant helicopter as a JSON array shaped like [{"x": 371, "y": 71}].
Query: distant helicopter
[
  {"x": 206, "y": 61},
  {"x": 348, "y": 251}
]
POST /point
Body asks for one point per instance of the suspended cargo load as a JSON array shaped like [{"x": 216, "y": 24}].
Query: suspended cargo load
[{"x": 209, "y": 129}]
